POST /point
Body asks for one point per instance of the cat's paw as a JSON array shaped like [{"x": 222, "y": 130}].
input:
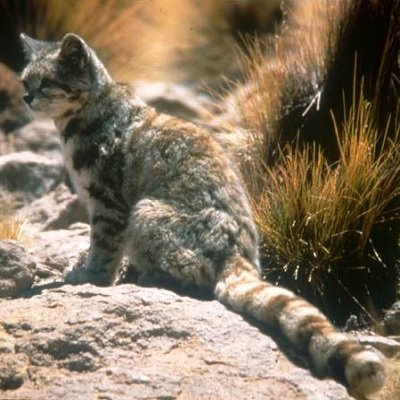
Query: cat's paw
[{"x": 78, "y": 276}]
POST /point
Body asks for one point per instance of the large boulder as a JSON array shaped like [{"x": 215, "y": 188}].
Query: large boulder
[{"x": 128, "y": 342}]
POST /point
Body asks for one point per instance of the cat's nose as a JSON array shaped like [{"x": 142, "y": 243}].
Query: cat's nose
[{"x": 28, "y": 98}]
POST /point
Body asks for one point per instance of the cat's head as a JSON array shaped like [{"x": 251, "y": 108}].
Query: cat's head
[{"x": 60, "y": 76}]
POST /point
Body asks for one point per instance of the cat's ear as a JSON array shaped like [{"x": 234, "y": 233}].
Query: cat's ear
[
  {"x": 30, "y": 45},
  {"x": 74, "y": 51}
]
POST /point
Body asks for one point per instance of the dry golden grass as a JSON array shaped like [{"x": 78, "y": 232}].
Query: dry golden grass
[
  {"x": 317, "y": 220},
  {"x": 326, "y": 194},
  {"x": 293, "y": 82},
  {"x": 11, "y": 225},
  {"x": 285, "y": 74}
]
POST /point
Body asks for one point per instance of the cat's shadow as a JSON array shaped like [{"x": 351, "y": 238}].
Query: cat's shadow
[
  {"x": 37, "y": 290},
  {"x": 143, "y": 280}
]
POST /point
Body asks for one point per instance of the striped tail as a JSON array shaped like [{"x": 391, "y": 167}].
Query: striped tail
[{"x": 331, "y": 353}]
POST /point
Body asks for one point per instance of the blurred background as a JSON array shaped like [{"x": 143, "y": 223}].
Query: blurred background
[{"x": 145, "y": 38}]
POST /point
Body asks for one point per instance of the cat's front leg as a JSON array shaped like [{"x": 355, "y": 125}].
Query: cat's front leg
[{"x": 106, "y": 249}]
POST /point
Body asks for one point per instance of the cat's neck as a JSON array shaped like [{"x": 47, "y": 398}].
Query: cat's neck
[{"x": 89, "y": 108}]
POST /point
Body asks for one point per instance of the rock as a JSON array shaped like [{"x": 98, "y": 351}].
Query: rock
[
  {"x": 386, "y": 346},
  {"x": 13, "y": 110},
  {"x": 12, "y": 372},
  {"x": 59, "y": 250},
  {"x": 17, "y": 269},
  {"x": 175, "y": 100},
  {"x": 56, "y": 210},
  {"x": 391, "y": 321},
  {"x": 129, "y": 342},
  {"x": 352, "y": 323},
  {"x": 40, "y": 137},
  {"x": 29, "y": 176}
]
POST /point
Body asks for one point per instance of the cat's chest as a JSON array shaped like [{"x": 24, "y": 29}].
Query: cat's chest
[{"x": 81, "y": 178}]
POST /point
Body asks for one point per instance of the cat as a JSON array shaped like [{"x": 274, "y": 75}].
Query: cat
[{"x": 162, "y": 191}]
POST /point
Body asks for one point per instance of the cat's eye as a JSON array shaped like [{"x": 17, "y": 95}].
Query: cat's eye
[
  {"x": 45, "y": 83},
  {"x": 49, "y": 83}
]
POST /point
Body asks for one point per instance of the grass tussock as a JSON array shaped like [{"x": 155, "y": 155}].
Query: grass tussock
[
  {"x": 283, "y": 78},
  {"x": 293, "y": 83},
  {"x": 11, "y": 225},
  {"x": 324, "y": 174},
  {"x": 330, "y": 231}
]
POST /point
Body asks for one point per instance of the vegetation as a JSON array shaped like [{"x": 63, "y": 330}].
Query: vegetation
[
  {"x": 322, "y": 223},
  {"x": 11, "y": 225},
  {"x": 321, "y": 105}
]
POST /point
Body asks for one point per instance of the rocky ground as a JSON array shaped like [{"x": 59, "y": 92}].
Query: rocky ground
[{"x": 126, "y": 341}]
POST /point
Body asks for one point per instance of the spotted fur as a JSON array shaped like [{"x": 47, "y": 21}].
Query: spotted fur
[{"x": 163, "y": 192}]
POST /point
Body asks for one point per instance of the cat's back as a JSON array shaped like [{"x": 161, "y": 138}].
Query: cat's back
[{"x": 178, "y": 160}]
